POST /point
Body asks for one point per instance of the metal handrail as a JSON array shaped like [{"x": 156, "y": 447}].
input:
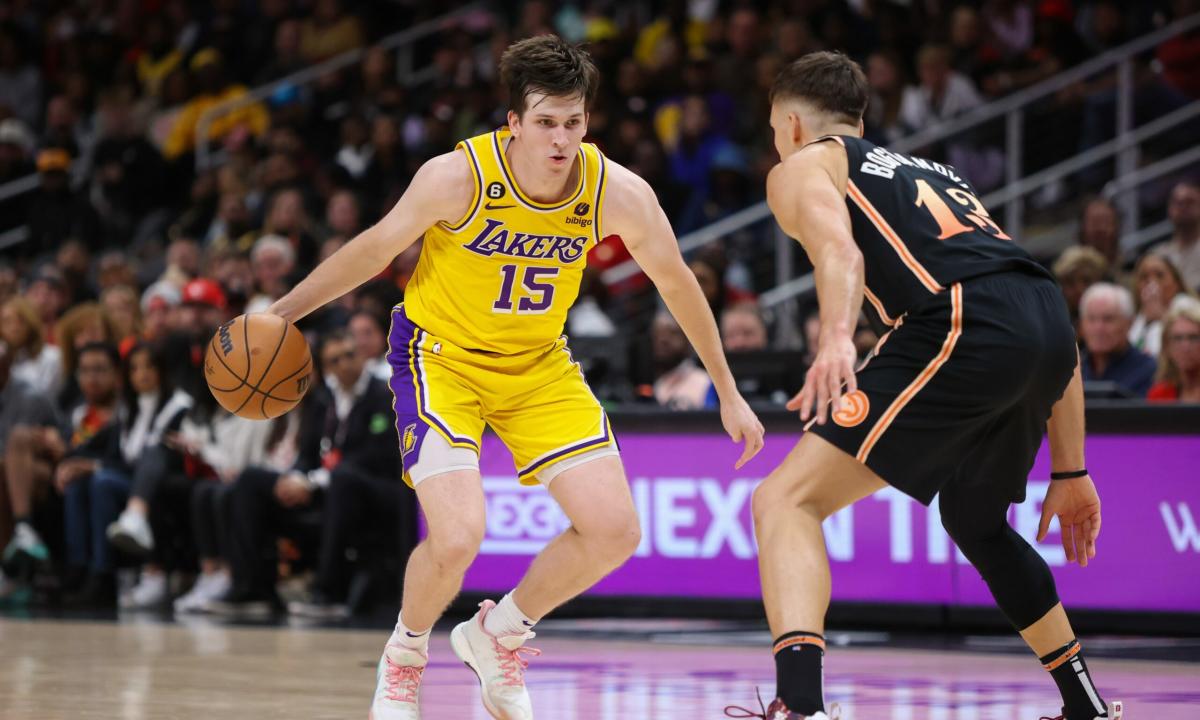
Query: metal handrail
[
  {"x": 1049, "y": 86},
  {"x": 1153, "y": 171},
  {"x": 1033, "y": 183},
  {"x": 1010, "y": 106},
  {"x": 20, "y": 186},
  {"x": 313, "y": 72}
]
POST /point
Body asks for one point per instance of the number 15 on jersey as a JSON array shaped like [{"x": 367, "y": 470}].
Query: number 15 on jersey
[{"x": 534, "y": 294}]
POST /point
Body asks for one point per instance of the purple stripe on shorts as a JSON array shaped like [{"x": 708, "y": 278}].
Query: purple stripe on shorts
[
  {"x": 409, "y": 388},
  {"x": 585, "y": 445}
]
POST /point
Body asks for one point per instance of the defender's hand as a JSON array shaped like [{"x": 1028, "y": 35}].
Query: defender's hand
[
  {"x": 831, "y": 376},
  {"x": 1077, "y": 506},
  {"x": 742, "y": 424}
]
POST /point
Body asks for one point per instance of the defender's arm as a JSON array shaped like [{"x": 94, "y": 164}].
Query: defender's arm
[{"x": 807, "y": 194}]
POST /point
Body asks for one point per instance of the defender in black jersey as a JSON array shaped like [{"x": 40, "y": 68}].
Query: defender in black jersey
[{"x": 978, "y": 360}]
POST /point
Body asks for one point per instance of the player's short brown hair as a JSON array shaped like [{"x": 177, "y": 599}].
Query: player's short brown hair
[
  {"x": 550, "y": 65},
  {"x": 829, "y": 81}
]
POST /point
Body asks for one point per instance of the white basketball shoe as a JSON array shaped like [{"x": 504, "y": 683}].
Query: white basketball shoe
[
  {"x": 398, "y": 684},
  {"x": 499, "y": 664}
]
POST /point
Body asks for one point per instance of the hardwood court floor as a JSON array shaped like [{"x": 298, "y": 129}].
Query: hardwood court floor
[{"x": 52, "y": 670}]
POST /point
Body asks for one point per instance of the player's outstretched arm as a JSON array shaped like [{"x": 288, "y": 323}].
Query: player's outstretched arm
[
  {"x": 1073, "y": 501},
  {"x": 440, "y": 191},
  {"x": 807, "y": 194},
  {"x": 631, "y": 210}
]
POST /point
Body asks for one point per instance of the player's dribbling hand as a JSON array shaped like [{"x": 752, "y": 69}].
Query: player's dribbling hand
[
  {"x": 1077, "y": 506},
  {"x": 831, "y": 375},
  {"x": 742, "y": 424}
]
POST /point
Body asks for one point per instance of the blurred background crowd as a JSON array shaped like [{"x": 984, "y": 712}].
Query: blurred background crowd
[{"x": 123, "y": 244}]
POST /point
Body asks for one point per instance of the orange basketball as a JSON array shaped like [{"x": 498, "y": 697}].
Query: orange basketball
[{"x": 258, "y": 366}]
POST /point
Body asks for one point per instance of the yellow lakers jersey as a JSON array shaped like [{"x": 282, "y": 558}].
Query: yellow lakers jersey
[{"x": 502, "y": 278}]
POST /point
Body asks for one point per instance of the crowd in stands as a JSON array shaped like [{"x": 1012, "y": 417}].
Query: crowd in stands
[{"x": 127, "y": 252}]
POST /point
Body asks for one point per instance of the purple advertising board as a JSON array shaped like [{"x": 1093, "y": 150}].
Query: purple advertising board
[{"x": 698, "y": 539}]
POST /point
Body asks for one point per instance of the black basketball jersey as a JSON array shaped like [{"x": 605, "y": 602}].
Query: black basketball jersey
[{"x": 921, "y": 228}]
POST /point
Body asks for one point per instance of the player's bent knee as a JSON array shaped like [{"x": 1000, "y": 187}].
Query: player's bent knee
[
  {"x": 614, "y": 540},
  {"x": 454, "y": 549},
  {"x": 779, "y": 496}
]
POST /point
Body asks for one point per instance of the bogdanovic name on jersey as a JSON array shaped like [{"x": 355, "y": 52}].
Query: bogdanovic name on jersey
[
  {"x": 495, "y": 239},
  {"x": 882, "y": 162}
]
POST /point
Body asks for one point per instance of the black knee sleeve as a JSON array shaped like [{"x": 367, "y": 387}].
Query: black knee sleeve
[{"x": 1018, "y": 577}]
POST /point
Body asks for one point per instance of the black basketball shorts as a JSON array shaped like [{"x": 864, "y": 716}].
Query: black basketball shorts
[{"x": 961, "y": 388}]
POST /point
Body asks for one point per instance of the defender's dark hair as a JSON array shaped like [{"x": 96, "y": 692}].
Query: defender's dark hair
[
  {"x": 829, "y": 81},
  {"x": 550, "y": 65}
]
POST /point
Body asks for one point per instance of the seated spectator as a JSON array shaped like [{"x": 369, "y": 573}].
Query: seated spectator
[
  {"x": 218, "y": 446},
  {"x": 20, "y": 410},
  {"x": 1077, "y": 269},
  {"x": 158, "y": 303},
  {"x": 287, "y": 218},
  {"x": 743, "y": 328},
  {"x": 348, "y": 470},
  {"x": 273, "y": 260},
  {"x": 330, "y": 31},
  {"x": 1106, "y": 313},
  {"x": 121, "y": 302},
  {"x": 36, "y": 447},
  {"x": 1157, "y": 283},
  {"x": 214, "y": 89},
  {"x": 1179, "y": 362},
  {"x": 56, "y": 212},
  {"x": 709, "y": 268},
  {"x": 942, "y": 95},
  {"x": 47, "y": 292},
  {"x": 1183, "y": 248},
  {"x": 886, "y": 78},
  {"x": 82, "y": 325},
  {"x": 343, "y": 214},
  {"x": 1100, "y": 229},
  {"x": 97, "y": 476},
  {"x": 679, "y": 383},
  {"x": 371, "y": 342},
  {"x": 35, "y": 362}
]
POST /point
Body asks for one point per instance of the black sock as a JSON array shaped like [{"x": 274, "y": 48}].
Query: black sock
[
  {"x": 1081, "y": 700},
  {"x": 798, "y": 672},
  {"x": 23, "y": 520}
]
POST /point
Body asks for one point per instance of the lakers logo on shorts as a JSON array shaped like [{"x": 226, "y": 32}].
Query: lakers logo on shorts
[
  {"x": 855, "y": 407},
  {"x": 410, "y": 439}
]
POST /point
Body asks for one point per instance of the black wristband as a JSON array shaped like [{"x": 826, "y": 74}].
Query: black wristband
[{"x": 1068, "y": 475}]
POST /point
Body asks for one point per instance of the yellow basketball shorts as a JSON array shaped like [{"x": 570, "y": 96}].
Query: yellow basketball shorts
[{"x": 538, "y": 403}]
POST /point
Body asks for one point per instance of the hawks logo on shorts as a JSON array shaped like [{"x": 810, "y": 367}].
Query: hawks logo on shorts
[{"x": 855, "y": 408}]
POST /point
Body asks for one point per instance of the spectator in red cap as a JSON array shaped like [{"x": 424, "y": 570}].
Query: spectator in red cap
[
  {"x": 202, "y": 308},
  {"x": 203, "y": 304}
]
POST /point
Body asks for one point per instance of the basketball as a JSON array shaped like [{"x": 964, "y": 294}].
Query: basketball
[{"x": 258, "y": 366}]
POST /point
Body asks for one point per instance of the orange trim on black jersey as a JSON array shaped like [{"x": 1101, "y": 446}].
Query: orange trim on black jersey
[
  {"x": 892, "y": 238},
  {"x": 889, "y": 416},
  {"x": 878, "y": 305}
]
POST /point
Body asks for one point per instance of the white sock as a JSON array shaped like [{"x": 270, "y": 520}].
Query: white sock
[
  {"x": 409, "y": 638},
  {"x": 507, "y": 619}
]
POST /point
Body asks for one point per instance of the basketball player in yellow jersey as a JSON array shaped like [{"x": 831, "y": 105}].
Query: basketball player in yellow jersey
[{"x": 508, "y": 218}]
